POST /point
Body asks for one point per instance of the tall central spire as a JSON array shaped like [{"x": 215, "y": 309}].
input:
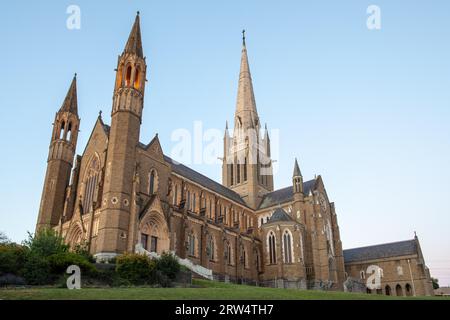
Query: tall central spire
[
  {"x": 246, "y": 114},
  {"x": 247, "y": 167}
]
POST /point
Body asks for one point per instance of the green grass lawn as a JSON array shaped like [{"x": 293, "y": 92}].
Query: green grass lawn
[{"x": 207, "y": 290}]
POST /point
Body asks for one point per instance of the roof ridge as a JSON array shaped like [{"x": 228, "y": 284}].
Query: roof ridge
[
  {"x": 381, "y": 244},
  {"x": 242, "y": 202}
]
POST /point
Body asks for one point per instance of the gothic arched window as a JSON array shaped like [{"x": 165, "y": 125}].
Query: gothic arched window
[
  {"x": 188, "y": 200},
  {"x": 244, "y": 259},
  {"x": 245, "y": 169},
  {"x": 90, "y": 181},
  {"x": 128, "y": 77},
  {"x": 69, "y": 132},
  {"x": 258, "y": 262},
  {"x": 211, "y": 249},
  {"x": 272, "y": 248},
  {"x": 175, "y": 195},
  {"x": 61, "y": 131},
  {"x": 153, "y": 182},
  {"x": 238, "y": 173},
  {"x": 229, "y": 254},
  {"x": 137, "y": 78},
  {"x": 194, "y": 197},
  {"x": 191, "y": 244},
  {"x": 231, "y": 174},
  {"x": 287, "y": 247}
]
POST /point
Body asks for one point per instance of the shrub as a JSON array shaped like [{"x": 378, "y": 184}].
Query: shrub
[
  {"x": 135, "y": 268},
  {"x": 61, "y": 261},
  {"x": 37, "y": 270},
  {"x": 168, "y": 265},
  {"x": 45, "y": 243},
  {"x": 12, "y": 258}
]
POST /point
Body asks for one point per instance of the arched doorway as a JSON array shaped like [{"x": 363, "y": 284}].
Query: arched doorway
[
  {"x": 399, "y": 291},
  {"x": 408, "y": 290},
  {"x": 387, "y": 290},
  {"x": 75, "y": 236},
  {"x": 154, "y": 233}
]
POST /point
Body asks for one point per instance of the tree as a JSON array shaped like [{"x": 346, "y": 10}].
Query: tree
[
  {"x": 435, "y": 283},
  {"x": 3, "y": 238}
]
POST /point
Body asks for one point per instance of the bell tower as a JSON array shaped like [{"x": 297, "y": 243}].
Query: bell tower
[
  {"x": 60, "y": 160},
  {"x": 247, "y": 167},
  {"x": 126, "y": 118}
]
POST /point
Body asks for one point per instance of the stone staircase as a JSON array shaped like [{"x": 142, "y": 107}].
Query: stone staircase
[{"x": 197, "y": 269}]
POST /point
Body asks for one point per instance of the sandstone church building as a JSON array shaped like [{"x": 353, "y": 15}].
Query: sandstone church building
[{"x": 121, "y": 194}]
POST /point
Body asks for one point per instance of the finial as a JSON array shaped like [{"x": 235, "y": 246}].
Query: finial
[
  {"x": 75, "y": 75},
  {"x": 243, "y": 37},
  {"x": 415, "y": 234},
  {"x": 100, "y": 113},
  {"x": 137, "y": 13},
  {"x": 226, "y": 125}
]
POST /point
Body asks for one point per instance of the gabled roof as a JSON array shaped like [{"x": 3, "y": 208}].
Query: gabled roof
[
  {"x": 280, "y": 215},
  {"x": 381, "y": 251},
  {"x": 284, "y": 195},
  {"x": 196, "y": 177}
]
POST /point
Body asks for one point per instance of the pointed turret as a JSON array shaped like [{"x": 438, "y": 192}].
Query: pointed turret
[
  {"x": 246, "y": 113},
  {"x": 70, "y": 103},
  {"x": 63, "y": 143},
  {"x": 297, "y": 180},
  {"x": 297, "y": 172},
  {"x": 134, "y": 43}
]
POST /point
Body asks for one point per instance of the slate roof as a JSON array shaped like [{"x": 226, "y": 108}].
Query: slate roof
[
  {"x": 381, "y": 251},
  {"x": 284, "y": 195},
  {"x": 280, "y": 215},
  {"x": 204, "y": 181}
]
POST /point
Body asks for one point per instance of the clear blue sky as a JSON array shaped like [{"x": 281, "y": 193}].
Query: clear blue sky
[{"x": 368, "y": 110}]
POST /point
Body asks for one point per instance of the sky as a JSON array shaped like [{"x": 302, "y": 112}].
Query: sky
[{"x": 368, "y": 110}]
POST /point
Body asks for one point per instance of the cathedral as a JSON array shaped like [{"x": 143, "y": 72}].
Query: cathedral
[{"x": 121, "y": 195}]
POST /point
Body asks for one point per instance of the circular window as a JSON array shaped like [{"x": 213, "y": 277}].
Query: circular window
[{"x": 114, "y": 200}]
